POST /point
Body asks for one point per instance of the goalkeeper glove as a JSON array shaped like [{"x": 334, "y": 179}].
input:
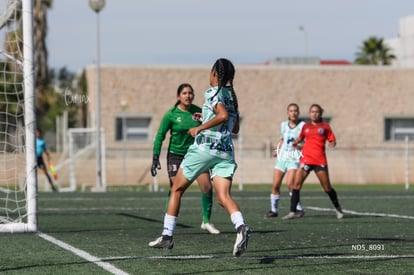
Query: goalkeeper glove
[{"x": 155, "y": 165}]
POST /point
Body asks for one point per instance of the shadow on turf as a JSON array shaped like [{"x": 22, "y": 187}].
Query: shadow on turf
[{"x": 151, "y": 220}]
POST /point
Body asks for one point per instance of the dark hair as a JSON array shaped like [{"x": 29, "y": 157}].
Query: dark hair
[
  {"x": 225, "y": 74},
  {"x": 179, "y": 90},
  {"x": 320, "y": 110},
  {"x": 293, "y": 104}
]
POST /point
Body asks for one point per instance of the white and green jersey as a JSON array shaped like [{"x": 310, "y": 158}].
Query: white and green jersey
[
  {"x": 287, "y": 152},
  {"x": 217, "y": 140}
]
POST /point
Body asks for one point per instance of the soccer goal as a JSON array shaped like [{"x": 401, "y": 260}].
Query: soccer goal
[
  {"x": 18, "y": 183},
  {"x": 79, "y": 169}
]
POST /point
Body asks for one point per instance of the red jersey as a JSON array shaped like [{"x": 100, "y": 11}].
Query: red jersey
[{"x": 315, "y": 137}]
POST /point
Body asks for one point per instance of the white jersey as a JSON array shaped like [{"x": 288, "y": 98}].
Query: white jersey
[
  {"x": 217, "y": 140},
  {"x": 289, "y": 134}
]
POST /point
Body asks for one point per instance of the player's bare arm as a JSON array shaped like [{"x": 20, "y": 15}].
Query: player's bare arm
[{"x": 220, "y": 117}]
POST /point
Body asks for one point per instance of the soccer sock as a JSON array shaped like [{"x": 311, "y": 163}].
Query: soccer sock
[
  {"x": 274, "y": 202},
  {"x": 294, "y": 200},
  {"x": 334, "y": 198},
  {"x": 237, "y": 219},
  {"x": 206, "y": 205},
  {"x": 299, "y": 205},
  {"x": 169, "y": 225}
]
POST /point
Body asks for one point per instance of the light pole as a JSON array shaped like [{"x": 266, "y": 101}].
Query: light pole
[
  {"x": 97, "y": 6},
  {"x": 305, "y": 34},
  {"x": 124, "y": 105}
]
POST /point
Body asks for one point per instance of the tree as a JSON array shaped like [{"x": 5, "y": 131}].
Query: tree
[
  {"x": 51, "y": 85},
  {"x": 374, "y": 52},
  {"x": 40, "y": 52}
]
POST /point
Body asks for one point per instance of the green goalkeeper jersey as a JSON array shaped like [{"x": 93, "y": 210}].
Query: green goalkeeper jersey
[{"x": 177, "y": 122}]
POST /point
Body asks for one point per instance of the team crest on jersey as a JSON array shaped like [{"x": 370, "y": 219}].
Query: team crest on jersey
[{"x": 321, "y": 131}]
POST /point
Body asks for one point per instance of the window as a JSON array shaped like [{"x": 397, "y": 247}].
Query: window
[
  {"x": 132, "y": 128},
  {"x": 396, "y": 129}
]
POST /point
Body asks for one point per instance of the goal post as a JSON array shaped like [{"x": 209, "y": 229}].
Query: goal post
[
  {"x": 77, "y": 168},
  {"x": 18, "y": 172},
  {"x": 407, "y": 163}
]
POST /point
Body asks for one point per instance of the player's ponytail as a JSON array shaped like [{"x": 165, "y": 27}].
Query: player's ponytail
[{"x": 225, "y": 71}]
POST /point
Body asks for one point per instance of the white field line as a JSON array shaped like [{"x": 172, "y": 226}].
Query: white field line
[
  {"x": 85, "y": 255},
  {"x": 190, "y": 197},
  {"x": 361, "y": 213},
  {"x": 281, "y": 257}
]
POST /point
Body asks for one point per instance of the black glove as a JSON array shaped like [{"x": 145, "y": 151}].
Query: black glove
[{"x": 155, "y": 165}]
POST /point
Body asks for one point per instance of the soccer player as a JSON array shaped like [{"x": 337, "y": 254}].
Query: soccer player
[
  {"x": 212, "y": 151},
  {"x": 314, "y": 133},
  {"x": 287, "y": 161},
  {"x": 178, "y": 120},
  {"x": 40, "y": 150}
]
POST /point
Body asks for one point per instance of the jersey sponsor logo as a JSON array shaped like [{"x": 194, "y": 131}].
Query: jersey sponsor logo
[
  {"x": 291, "y": 154},
  {"x": 221, "y": 147},
  {"x": 179, "y": 119}
]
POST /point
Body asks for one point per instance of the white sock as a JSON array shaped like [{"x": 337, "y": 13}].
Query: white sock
[
  {"x": 237, "y": 219},
  {"x": 299, "y": 206},
  {"x": 169, "y": 225},
  {"x": 274, "y": 202}
]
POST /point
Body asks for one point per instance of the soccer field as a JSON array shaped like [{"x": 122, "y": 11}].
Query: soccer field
[{"x": 103, "y": 233}]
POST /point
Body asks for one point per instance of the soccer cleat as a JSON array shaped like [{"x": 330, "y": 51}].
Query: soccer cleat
[
  {"x": 210, "y": 228},
  {"x": 339, "y": 213},
  {"x": 291, "y": 215},
  {"x": 299, "y": 214},
  {"x": 164, "y": 242},
  {"x": 271, "y": 214},
  {"x": 243, "y": 235}
]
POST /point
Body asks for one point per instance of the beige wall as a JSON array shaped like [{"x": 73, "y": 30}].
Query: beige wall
[{"x": 356, "y": 98}]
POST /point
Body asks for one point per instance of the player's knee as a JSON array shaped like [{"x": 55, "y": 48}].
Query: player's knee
[{"x": 222, "y": 199}]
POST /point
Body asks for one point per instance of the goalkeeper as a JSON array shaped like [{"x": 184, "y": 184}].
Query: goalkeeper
[
  {"x": 178, "y": 120},
  {"x": 40, "y": 150}
]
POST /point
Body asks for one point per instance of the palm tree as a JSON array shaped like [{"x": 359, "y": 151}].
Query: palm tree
[
  {"x": 374, "y": 52},
  {"x": 13, "y": 45},
  {"x": 40, "y": 51}
]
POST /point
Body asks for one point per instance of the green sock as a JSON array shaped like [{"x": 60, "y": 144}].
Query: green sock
[{"x": 207, "y": 204}]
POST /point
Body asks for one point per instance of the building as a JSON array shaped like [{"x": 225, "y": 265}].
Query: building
[
  {"x": 403, "y": 45},
  {"x": 370, "y": 110}
]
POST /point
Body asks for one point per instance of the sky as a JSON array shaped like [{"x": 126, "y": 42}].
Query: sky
[{"x": 181, "y": 32}]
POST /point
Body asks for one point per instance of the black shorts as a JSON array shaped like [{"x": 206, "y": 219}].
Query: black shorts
[
  {"x": 40, "y": 163},
  {"x": 173, "y": 163},
  {"x": 312, "y": 167}
]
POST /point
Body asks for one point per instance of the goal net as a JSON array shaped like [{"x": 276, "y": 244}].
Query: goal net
[
  {"x": 18, "y": 193},
  {"x": 78, "y": 170}
]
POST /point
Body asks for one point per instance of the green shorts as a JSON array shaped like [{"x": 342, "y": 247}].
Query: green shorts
[
  {"x": 285, "y": 165},
  {"x": 196, "y": 162}
]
